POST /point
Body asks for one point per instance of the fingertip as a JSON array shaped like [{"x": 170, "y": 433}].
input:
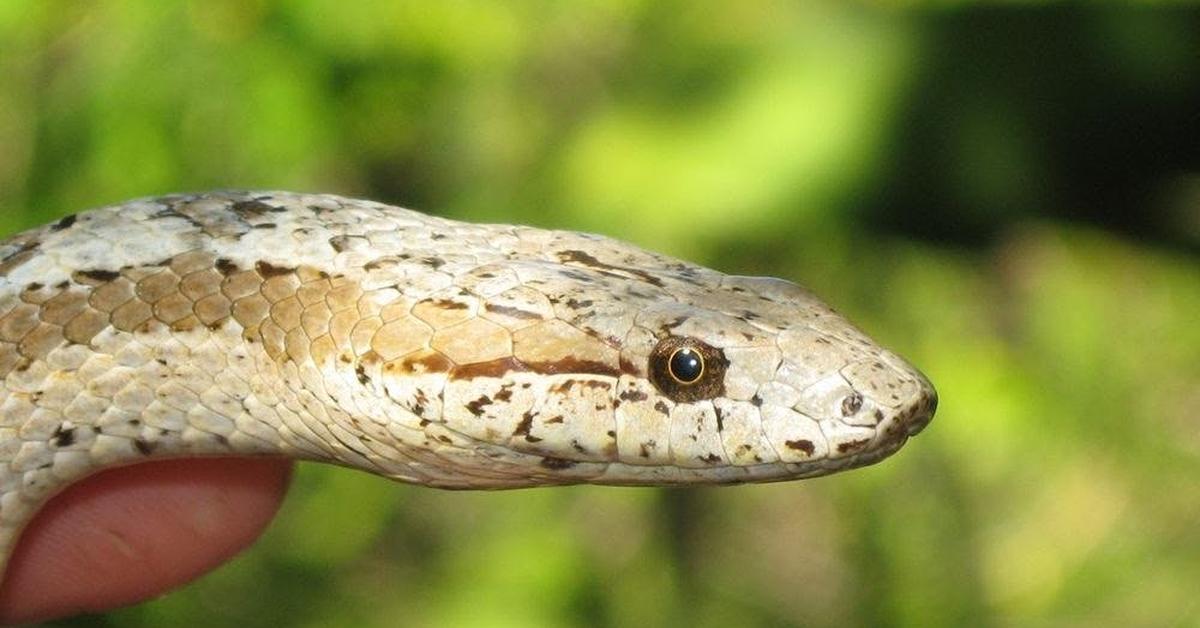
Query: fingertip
[{"x": 128, "y": 534}]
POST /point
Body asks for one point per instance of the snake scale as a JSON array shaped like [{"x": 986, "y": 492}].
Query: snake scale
[{"x": 426, "y": 350}]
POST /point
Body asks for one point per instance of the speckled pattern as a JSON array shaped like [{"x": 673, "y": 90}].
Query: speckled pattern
[{"x": 426, "y": 350}]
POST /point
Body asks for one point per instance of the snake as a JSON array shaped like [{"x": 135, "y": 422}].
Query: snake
[{"x": 431, "y": 351}]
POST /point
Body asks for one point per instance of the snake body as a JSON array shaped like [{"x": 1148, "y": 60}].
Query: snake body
[{"x": 431, "y": 351}]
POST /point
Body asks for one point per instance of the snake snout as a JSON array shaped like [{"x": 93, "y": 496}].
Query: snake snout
[{"x": 922, "y": 408}]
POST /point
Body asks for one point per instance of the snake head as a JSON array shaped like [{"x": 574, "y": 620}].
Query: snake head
[
  {"x": 758, "y": 380},
  {"x": 607, "y": 364},
  {"x": 795, "y": 390}
]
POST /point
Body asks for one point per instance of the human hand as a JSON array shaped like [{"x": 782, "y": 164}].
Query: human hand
[{"x": 132, "y": 533}]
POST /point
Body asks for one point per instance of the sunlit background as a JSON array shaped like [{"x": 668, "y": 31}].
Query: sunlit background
[{"x": 1006, "y": 193}]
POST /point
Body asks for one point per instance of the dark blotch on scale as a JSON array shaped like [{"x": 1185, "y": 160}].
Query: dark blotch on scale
[
  {"x": 801, "y": 445},
  {"x": 65, "y": 223},
  {"x": 254, "y": 207},
  {"x": 268, "y": 270},
  {"x": 64, "y": 436},
  {"x": 226, "y": 267},
  {"x": 361, "y": 372},
  {"x": 557, "y": 463}
]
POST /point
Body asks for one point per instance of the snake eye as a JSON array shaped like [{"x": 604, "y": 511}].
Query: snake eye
[
  {"x": 687, "y": 369},
  {"x": 686, "y": 365}
]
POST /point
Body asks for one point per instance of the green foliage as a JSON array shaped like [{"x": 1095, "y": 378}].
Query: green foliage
[{"x": 1057, "y": 484}]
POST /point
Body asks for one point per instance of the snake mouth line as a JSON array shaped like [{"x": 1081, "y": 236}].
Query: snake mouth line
[{"x": 620, "y": 474}]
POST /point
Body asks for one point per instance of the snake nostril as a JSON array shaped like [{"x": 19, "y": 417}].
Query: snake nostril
[{"x": 851, "y": 404}]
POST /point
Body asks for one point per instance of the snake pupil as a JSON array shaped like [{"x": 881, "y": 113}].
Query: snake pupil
[{"x": 686, "y": 365}]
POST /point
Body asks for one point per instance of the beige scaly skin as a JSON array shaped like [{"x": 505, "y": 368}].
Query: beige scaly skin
[{"x": 426, "y": 350}]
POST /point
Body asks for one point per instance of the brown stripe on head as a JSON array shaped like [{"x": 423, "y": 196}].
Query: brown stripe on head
[
  {"x": 554, "y": 346},
  {"x": 492, "y": 368},
  {"x": 501, "y": 367}
]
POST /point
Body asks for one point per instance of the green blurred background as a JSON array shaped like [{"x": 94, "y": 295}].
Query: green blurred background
[{"x": 1008, "y": 194}]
